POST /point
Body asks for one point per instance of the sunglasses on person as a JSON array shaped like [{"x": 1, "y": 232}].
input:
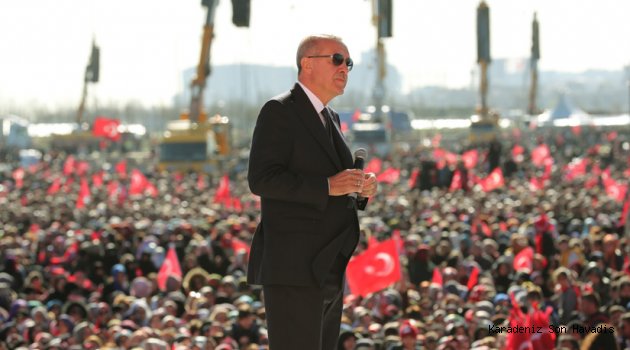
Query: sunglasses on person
[{"x": 337, "y": 59}]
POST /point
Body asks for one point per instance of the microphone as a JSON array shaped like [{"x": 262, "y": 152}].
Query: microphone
[{"x": 359, "y": 162}]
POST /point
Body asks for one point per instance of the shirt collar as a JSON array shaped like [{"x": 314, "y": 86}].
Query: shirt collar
[{"x": 315, "y": 101}]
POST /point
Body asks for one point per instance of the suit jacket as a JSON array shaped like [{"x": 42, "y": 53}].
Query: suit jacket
[{"x": 302, "y": 228}]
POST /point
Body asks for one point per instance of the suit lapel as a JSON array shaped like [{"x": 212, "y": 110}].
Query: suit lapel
[{"x": 306, "y": 113}]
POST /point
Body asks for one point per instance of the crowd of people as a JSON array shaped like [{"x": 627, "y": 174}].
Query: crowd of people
[{"x": 87, "y": 276}]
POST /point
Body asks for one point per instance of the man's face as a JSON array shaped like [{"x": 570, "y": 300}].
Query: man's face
[{"x": 328, "y": 80}]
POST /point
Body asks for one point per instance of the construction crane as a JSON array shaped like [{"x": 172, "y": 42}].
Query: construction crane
[
  {"x": 196, "y": 142},
  {"x": 372, "y": 130},
  {"x": 484, "y": 124},
  {"x": 91, "y": 76},
  {"x": 81, "y": 139},
  {"x": 532, "y": 109}
]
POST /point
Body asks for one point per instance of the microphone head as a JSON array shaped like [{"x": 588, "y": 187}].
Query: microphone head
[{"x": 360, "y": 153}]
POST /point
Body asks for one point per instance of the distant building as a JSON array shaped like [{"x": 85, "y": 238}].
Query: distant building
[{"x": 254, "y": 84}]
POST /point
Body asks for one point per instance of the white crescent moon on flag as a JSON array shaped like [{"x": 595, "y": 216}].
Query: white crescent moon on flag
[
  {"x": 388, "y": 265},
  {"x": 111, "y": 130}
]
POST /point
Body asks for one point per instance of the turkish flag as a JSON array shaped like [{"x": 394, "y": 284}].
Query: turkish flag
[
  {"x": 539, "y": 154},
  {"x": 170, "y": 267},
  {"x": 344, "y": 127},
  {"x": 374, "y": 269},
  {"x": 493, "y": 181},
  {"x": 439, "y": 154},
  {"x": 139, "y": 182},
  {"x": 413, "y": 178},
  {"x": 485, "y": 228},
  {"x": 84, "y": 194},
  {"x": 470, "y": 158},
  {"x": 82, "y": 168},
  {"x": 611, "y": 136},
  {"x": 591, "y": 182},
  {"x": 524, "y": 259},
  {"x": 374, "y": 166},
  {"x": 151, "y": 190},
  {"x": 616, "y": 190},
  {"x": 18, "y": 177},
  {"x": 356, "y": 115},
  {"x": 112, "y": 189},
  {"x": 390, "y": 175},
  {"x": 576, "y": 168},
  {"x": 607, "y": 179},
  {"x": 577, "y": 130},
  {"x": 97, "y": 179},
  {"x": 238, "y": 245},
  {"x": 437, "y": 276},
  {"x": 121, "y": 169},
  {"x": 201, "y": 182},
  {"x": 451, "y": 158},
  {"x": 536, "y": 184},
  {"x": 107, "y": 128},
  {"x": 67, "y": 185},
  {"x": 548, "y": 167},
  {"x": 547, "y": 339},
  {"x": 237, "y": 205},
  {"x": 371, "y": 241},
  {"x": 55, "y": 186},
  {"x": 456, "y": 181},
  {"x": 517, "y": 153},
  {"x": 222, "y": 195},
  {"x": 624, "y": 214},
  {"x": 473, "y": 278},
  {"x": 68, "y": 165}
]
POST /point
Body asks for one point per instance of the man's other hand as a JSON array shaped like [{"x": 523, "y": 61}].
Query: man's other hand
[{"x": 369, "y": 185}]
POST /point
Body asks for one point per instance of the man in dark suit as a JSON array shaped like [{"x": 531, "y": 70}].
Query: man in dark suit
[{"x": 300, "y": 166}]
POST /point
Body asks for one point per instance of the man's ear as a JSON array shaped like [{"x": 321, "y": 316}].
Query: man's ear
[{"x": 306, "y": 63}]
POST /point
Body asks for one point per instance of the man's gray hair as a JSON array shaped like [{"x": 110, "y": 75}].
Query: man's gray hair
[{"x": 308, "y": 44}]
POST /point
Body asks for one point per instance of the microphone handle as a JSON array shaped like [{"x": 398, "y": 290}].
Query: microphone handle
[{"x": 359, "y": 163}]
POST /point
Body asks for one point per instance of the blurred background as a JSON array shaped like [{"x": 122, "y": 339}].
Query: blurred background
[{"x": 419, "y": 65}]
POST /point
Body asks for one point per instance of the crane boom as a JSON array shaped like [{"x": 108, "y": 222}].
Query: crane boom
[{"x": 198, "y": 84}]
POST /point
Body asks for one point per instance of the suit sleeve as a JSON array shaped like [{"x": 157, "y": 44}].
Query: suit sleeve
[{"x": 269, "y": 173}]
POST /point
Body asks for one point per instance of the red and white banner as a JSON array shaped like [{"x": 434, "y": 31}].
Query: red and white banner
[
  {"x": 524, "y": 260},
  {"x": 389, "y": 175},
  {"x": 170, "y": 267},
  {"x": 492, "y": 181},
  {"x": 374, "y": 269},
  {"x": 470, "y": 158},
  {"x": 107, "y": 128},
  {"x": 539, "y": 154}
]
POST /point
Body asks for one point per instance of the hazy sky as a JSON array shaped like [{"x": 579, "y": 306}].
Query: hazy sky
[{"x": 146, "y": 44}]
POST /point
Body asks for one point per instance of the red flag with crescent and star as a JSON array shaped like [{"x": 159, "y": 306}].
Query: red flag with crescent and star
[
  {"x": 493, "y": 181},
  {"x": 470, "y": 158},
  {"x": 107, "y": 128},
  {"x": 170, "y": 267},
  {"x": 374, "y": 269}
]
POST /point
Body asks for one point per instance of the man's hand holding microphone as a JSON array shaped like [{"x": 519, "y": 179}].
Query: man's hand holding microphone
[{"x": 354, "y": 181}]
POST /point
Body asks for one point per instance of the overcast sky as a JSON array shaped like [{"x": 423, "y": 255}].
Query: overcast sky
[{"x": 146, "y": 44}]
